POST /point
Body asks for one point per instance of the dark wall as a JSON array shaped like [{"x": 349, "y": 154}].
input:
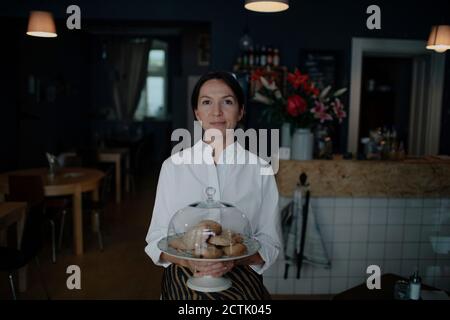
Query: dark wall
[
  {"x": 56, "y": 113},
  {"x": 319, "y": 24},
  {"x": 9, "y": 85},
  {"x": 72, "y": 68}
]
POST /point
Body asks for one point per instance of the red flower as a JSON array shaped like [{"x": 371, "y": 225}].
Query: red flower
[
  {"x": 310, "y": 89},
  {"x": 256, "y": 75},
  {"x": 297, "y": 79},
  {"x": 296, "y": 105}
]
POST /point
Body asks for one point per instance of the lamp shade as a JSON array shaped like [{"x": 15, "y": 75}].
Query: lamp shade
[
  {"x": 267, "y": 5},
  {"x": 439, "y": 39},
  {"x": 41, "y": 24}
]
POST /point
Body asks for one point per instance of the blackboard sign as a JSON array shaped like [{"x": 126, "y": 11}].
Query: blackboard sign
[{"x": 321, "y": 67}]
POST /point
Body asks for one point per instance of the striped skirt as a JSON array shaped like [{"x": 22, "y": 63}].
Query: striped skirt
[{"x": 246, "y": 285}]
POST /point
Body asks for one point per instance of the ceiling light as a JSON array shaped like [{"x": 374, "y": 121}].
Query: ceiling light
[
  {"x": 439, "y": 39},
  {"x": 267, "y": 5},
  {"x": 41, "y": 24}
]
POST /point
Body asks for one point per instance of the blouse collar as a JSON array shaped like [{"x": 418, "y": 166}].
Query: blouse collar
[{"x": 230, "y": 155}]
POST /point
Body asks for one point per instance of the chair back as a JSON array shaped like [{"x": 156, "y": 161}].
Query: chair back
[
  {"x": 73, "y": 161},
  {"x": 89, "y": 157},
  {"x": 29, "y": 189},
  {"x": 105, "y": 187},
  {"x": 25, "y": 188}
]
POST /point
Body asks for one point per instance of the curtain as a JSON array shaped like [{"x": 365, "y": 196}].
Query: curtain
[{"x": 129, "y": 61}]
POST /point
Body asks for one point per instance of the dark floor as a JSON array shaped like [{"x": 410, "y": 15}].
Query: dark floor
[{"x": 122, "y": 270}]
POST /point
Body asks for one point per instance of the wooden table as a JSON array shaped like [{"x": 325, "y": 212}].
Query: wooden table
[
  {"x": 14, "y": 213},
  {"x": 361, "y": 292},
  {"x": 115, "y": 155},
  {"x": 67, "y": 182}
]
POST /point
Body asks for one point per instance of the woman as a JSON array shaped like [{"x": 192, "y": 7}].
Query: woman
[{"x": 218, "y": 103}]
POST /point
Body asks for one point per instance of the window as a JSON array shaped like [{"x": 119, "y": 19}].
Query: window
[{"x": 153, "y": 100}]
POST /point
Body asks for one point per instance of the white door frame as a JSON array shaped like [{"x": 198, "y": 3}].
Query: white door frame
[{"x": 396, "y": 47}]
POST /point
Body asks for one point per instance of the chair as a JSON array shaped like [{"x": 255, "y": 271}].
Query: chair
[
  {"x": 136, "y": 159},
  {"x": 95, "y": 208},
  {"x": 72, "y": 161},
  {"x": 31, "y": 190},
  {"x": 88, "y": 156},
  {"x": 12, "y": 259}
]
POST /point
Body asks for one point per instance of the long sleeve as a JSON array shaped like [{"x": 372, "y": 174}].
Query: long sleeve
[
  {"x": 160, "y": 218},
  {"x": 268, "y": 230}
]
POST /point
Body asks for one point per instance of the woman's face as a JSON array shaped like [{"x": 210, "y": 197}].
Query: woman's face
[{"x": 217, "y": 106}]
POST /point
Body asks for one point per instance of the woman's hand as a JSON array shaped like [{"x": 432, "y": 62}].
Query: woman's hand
[
  {"x": 201, "y": 268},
  {"x": 254, "y": 259},
  {"x": 204, "y": 268}
]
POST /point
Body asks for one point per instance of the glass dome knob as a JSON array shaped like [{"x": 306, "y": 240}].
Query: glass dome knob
[{"x": 210, "y": 192}]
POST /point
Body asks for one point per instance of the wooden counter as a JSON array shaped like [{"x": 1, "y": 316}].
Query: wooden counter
[{"x": 353, "y": 178}]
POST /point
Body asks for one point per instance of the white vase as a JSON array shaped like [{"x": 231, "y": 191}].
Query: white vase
[
  {"x": 302, "y": 145},
  {"x": 286, "y": 135}
]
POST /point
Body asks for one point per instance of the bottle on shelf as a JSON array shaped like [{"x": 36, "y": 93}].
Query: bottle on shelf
[
  {"x": 276, "y": 58},
  {"x": 269, "y": 56},
  {"x": 251, "y": 58},
  {"x": 257, "y": 56},
  {"x": 263, "y": 57},
  {"x": 245, "y": 59},
  {"x": 238, "y": 65}
]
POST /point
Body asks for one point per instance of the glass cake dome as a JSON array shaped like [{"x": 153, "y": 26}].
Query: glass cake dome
[{"x": 209, "y": 231}]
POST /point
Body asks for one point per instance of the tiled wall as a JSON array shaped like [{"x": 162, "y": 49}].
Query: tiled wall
[{"x": 391, "y": 233}]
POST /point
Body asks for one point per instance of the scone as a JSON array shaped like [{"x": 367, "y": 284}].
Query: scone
[
  {"x": 224, "y": 240},
  {"x": 237, "y": 237},
  {"x": 208, "y": 252},
  {"x": 196, "y": 236},
  {"x": 235, "y": 250},
  {"x": 178, "y": 244},
  {"x": 211, "y": 225}
]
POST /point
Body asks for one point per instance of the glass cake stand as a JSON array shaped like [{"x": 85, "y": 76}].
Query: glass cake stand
[
  {"x": 208, "y": 283},
  {"x": 209, "y": 231}
]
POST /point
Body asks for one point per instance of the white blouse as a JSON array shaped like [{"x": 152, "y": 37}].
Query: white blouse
[{"x": 182, "y": 182}]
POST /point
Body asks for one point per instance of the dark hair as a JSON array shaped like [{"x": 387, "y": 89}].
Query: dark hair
[{"x": 226, "y": 77}]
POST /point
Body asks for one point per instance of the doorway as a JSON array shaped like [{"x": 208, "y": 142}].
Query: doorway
[
  {"x": 412, "y": 68},
  {"x": 386, "y": 96}
]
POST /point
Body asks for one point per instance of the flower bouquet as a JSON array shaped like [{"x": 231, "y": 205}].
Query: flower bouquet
[{"x": 303, "y": 106}]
